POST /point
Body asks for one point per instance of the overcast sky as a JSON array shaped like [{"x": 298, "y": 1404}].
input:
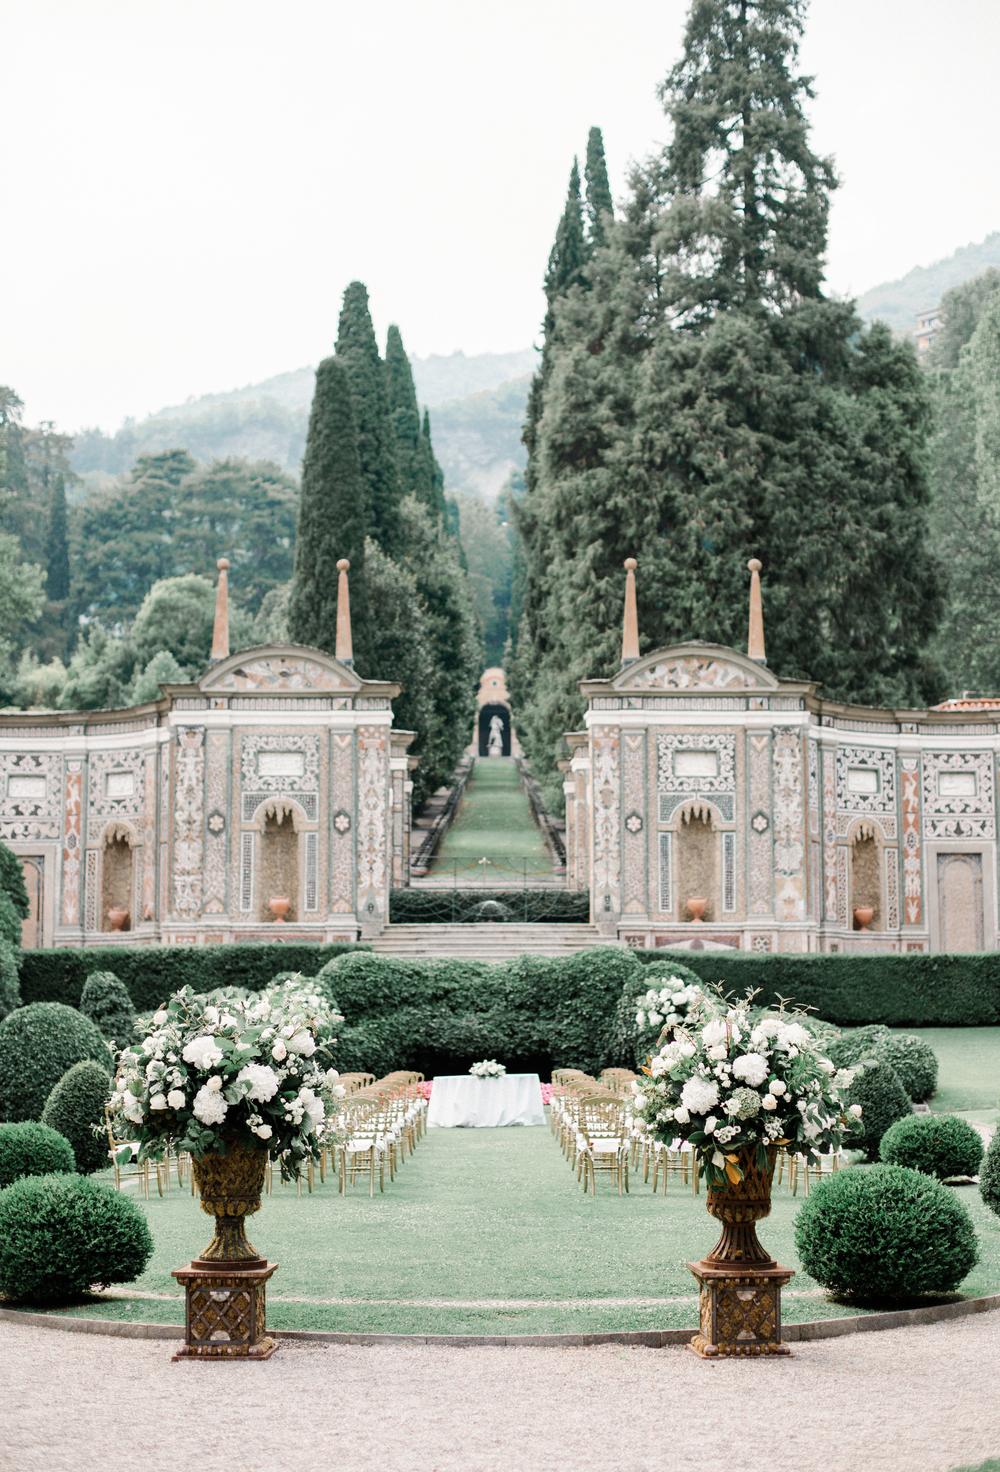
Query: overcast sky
[{"x": 188, "y": 185}]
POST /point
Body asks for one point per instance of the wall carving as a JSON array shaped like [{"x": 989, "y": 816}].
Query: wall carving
[
  {"x": 831, "y": 908},
  {"x": 29, "y": 795},
  {"x": 606, "y": 779},
  {"x": 341, "y": 828},
  {"x": 669, "y": 746},
  {"x": 954, "y": 807},
  {"x": 277, "y": 673},
  {"x": 789, "y": 827},
  {"x": 909, "y": 778},
  {"x": 189, "y": 820},
  {"x": 696, "y": 672},
  {"x": 634, "y": 866},
  {"x": 760, "y": 899},
  {"x": 216, "y": 827},
  {"x": 373, "y": 798},
  {"x": 72, "y": 841},
  {"x": 115, "y": 786},
  {"x": 876, "y": 766}
]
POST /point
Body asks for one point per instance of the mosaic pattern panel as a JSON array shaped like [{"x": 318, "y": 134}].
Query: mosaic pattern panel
[
  {"x": 666, "y": 873},
  {"x": 30, "y": 797},
  {"x": 695, "y": 672},
  {"x": 189, "y": 820},
  {"x": 831, "y": 903},
  {"x": 116, "y": 788},
  {"x": 789, "y": 828},
  {"x": 866, "y": 784},
  {"x": 148, "y": 905},
  {"x": 606, "y": 778},
  {"x": 216, "y": 821},
  {"x": 341, "y": 804},
  {"x": 72, "y": 841},
  {"x": 759, "y": 883},
  {"x": 633, "y": 838},
  {"x": 373, "y": 798},
  {"x": 271, "y": 764},
  {"x": 912, "y": 848},
  {"x": 958, "y": 794}
]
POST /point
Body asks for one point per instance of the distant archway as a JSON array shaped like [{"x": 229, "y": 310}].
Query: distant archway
[{"x": 494, "y": 723}]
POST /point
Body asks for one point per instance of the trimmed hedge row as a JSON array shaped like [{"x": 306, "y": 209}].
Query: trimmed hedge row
[
  {"x": 151, "y": 973},
  {"x": 466, "y": 906},
  {"x": 900, "y": 991}
]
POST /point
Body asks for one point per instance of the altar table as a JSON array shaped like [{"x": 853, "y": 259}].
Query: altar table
[{"x": 462, "y": 1100}]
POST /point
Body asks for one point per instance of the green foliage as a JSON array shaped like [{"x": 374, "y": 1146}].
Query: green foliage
[
  {"x": 900, "y": 991},
  {"x": 10, "y": 985},
  {"x": 940, "y": 1145},
  {"x": 883, "y": 1101},
  {"x": 10, "y": 922},
  {"x": 333, "y": 518},
  {"x": 357, "y": 351},
  {"x": 30, "y": 1149},
  {"x": 885, "y": 1234},
  {"x": 21, "y": 596},
  {"x": 151, "y": 973},
  {"x": 600, "y": 205},
  {"x": 899, "y": 302},
  {"x": 38, "y": 686},
  {"x": 12, "y": 881},
  {"x": 60, "y": 1235},
  {"x": 916, "y": 1063},
  {"x": 75, "y": 1108},
  {"x": 105, "y": 1000},
  {"x": 177, "y": 615},
  {"x": 398, "y": 648},
  {"x": 961, "y": 309},
  {"x": 860, "y": 1042},
  {"x": 487, "y": 544},
  {"x": 460, "y": 906},
  {"x": 162, "y": 669},
  {"x": 38, "y": 1043},
  {"x": 989, "y": 1175},
  {"x": 413, "y": 454},
  {"x": 57, "y": 545}
]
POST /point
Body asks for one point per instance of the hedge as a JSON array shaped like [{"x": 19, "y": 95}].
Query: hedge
[
  {"x": 10, "y": 990},
  {"x": 914, "y": 990},
  {"x": 38, "y": 1044},
  {"x": 32, "y": 1149},
  {"x": 151, "y": 973},
  {"x": 469, "y": 906}
]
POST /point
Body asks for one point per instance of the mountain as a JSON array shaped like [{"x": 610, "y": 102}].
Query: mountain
[
  {"x": 899, "y": 302},
  {"x": 477, "y": 406}
]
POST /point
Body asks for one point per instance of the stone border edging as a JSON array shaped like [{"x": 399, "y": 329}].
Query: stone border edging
[{"x": 809, "y": 1329}]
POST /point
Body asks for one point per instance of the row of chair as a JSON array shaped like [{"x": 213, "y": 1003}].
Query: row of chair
[
  {"x": 380, "y": 1124},
  {"x": 588, "y": 1117}
]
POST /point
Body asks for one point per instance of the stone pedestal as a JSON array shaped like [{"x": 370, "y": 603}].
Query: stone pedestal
[
  {"x": 739, "y": 1309},
  {"x": 224, "y": 1313}
]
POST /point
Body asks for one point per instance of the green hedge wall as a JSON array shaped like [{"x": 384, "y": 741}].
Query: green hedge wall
[
  {"x": 461, "y": 906},
  {"x": 151, "y": 973},
  {"x": 901, "y": 991}
]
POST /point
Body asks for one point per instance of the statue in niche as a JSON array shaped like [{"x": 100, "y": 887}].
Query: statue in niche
[{"x": 494, "y": 746}]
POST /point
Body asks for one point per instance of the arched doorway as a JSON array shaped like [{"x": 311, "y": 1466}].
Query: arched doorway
[{"x": 494, "y": 730}]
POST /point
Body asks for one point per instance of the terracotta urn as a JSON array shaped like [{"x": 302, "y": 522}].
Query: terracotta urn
[
  {"x": 230, "y": 1187},
  {"x": 117, "y": 917},
  {"x": 279, "y": 906},
  {"x": 863, "y": 916},
  {"x": 696, "y": 907}
]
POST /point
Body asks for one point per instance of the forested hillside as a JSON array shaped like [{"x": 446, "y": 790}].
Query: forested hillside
[{"x": 898, "y": 302}]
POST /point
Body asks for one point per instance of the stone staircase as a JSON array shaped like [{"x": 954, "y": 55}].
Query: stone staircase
[{"x": 487, "y": 941}]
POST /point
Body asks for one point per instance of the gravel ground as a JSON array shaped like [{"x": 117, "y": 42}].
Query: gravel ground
[{"x": 921, "y": 1399}]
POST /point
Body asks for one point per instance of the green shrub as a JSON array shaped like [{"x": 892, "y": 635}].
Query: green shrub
[
  {"x": 105, "y": 1000},
  {"x": 464, "y": 906},
  {"x": 849, "y": 1047},
  {"x": 153, "y": 973},
  {"x": 629, "y": 1044},
  {"x": 37, "y": 1045},
  {"x": 989, "y": 1175},
  {"x": 911, "y": 990},
  {"x": 76, "y": 1109},
  {"x": 915, "y": 1061},
  {"x": 31, "y": 1149},
  {"x": 883, "y": 1100},
  {"x": 12, "y": 881},
  {"x": 936, "y": 1144},
  {"x": 10, "y": 921},
  {"x": 885, "y": 1234},
  {"x": 62, "y": 1234},
  {"x": 10, "y": 986}
]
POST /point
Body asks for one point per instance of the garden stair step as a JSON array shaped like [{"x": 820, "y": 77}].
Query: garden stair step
[{"x": 487, "y": 940}]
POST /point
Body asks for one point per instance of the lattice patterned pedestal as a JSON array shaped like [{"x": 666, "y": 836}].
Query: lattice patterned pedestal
[
  {"x": 224, "y": 1316},
  {"x": 739, "y": 1311}
]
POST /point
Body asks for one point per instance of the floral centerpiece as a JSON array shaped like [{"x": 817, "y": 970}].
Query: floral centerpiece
[
  {"x": 675, "y": 1004},
  {"x": 488, "y": 1068}
]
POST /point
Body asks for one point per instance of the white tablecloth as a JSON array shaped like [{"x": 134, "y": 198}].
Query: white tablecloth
[{"x": 460, "y": 1099}]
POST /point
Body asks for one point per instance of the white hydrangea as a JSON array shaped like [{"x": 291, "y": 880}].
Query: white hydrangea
[
  {"x": 303, "y": 1043},
  {"x": 263, "y": 1081},
  {"x": 715, "y": 1032},
  {"x": 209, "y": 1106},
  {"x": 751, "y": 1068},
  {"x": 699, "y": 1095},
  {"x": 202, "y": 1053}
]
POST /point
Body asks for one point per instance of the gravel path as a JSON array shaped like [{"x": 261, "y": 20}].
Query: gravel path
[{"x": 921, "y": 1399}]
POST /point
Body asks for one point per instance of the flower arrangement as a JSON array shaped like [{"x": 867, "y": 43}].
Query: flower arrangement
[
  {"x": 251, "y": 1070},
  {"x": 670, "y": 1006},
  {"x": 488, "y": 1068},
  {"x": 733, "y": 1081}
]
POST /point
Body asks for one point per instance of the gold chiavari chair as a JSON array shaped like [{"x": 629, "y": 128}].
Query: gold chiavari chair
[
  {"x": 134, "y": 1168},
  {"x": 603, "y": 1142}
]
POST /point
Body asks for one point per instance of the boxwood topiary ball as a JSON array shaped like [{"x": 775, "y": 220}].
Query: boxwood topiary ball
[
  {"x": 935, "y": 1144},
  {"x": 105, "y": 1000},
  {"x": 885, "y": 1234},
  {"x": 76, "y": 1109},
  {"x": 62, "y": 1234},
  {"x": 37, "y": 1045},
  {"x": 914, "y": 1060},
  {"x": 30, "y": 1149},
  {"x": 989, "y": 1175},
  {"x": 883, "y": 1100}
]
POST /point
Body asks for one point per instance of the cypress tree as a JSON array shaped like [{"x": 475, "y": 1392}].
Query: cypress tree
[
  {"x": 57, "y": 545},
  {"x": 600, "y": 205},
  {"x": 416, "y": 472},
  {"x": 333, "y": 517},
  {"x": 437, "y": 502},
  {"x": 357, "y": 350}
]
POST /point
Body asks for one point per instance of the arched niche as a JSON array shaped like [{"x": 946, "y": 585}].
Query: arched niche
[
  {"x": 31, "y": 927},
  {"x": 696, "y": 862},
  {"x": 494, "y": 729},
  {"x": 117, "y": 877},
  {"x": 866, "y": 875},
  {"x": 278, "y": 867}
]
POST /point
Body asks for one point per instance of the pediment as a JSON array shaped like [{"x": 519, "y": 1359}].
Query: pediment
[
  {"x": 274, "y": 668},
  {"x": 710, "y": 667}
]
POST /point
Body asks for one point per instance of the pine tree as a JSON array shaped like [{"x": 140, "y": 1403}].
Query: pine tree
[
  {"x": 600, "y": 205},
  {"x": 357, "y": 351},
  {"x": 333, "y": 518},
  {"x": 413, "y": 462},
  {"x": 57, "y": 576}
]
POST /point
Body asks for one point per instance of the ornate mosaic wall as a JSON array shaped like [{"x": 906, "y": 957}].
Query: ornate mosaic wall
[
  {"x": 959, "y": 794},
  {"x": 606, "y": 780},
  {"x": 760, "y": 888},
  {"x": 189, "y": 777},
  {"x": 30, "y": 797},
  {"x": 789, "y": 827}
]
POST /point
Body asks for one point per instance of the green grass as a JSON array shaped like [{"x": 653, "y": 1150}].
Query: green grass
[
  {"x": 969, "y": 1070},
  {"x": 494, "y": 821}
]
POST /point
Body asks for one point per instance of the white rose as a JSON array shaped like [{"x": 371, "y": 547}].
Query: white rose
[
  {"x": 640, "y": 1019},
  {"x": 777, "y": 1086},
  {"x": 209, "y": 1106},
  {"x": 855, "y": 1110},
  {"x": 687, "y": 1050},
  {"x": 214, "y": 1083},
  {"x": 279, "y": 1052},
  {"x": 132, "y": 1107},
  {"x": 715, "y": 1032},
  {"x": 264, "y": 1131},
  {"x": 202, "y": 1052},
  {"x": 655, "y": 1018},
  {"x": 159, "y": 1018},
  {"x": 681, "y": 1115},
  {"x": 176, "y": 1099},
  {"x": 212, "y": 1014},
  {"x": 315, "y": 1108},
  {"x": 699, "y": 1095},
  {"x": 769, "y": 1102},
  {"x": 710, "y": 1124},
  {"x": 718, "y": 1052},
  {"x": 157, "y": 1101}
]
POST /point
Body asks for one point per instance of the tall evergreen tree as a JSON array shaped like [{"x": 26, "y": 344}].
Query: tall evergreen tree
[
  {"x": 357, "y": 350},
  {"x": 600, "y": 205},
  {"x": 333, "y": 520},
  {"x": 413, "y": 462},
  {"x": 437, "y": 501},
  {"x": 57, "y": 544}
]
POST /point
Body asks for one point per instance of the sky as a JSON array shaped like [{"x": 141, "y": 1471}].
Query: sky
[{"x": 190, "y": 184}]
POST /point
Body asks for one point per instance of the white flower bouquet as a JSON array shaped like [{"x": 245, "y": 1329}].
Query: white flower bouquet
[
  {"x": 488, "y": 1068},
  {"x": 735, "y": 1081},
  {"x": 672, "y": 1005},
  {"x": 252, "y": 1071}
]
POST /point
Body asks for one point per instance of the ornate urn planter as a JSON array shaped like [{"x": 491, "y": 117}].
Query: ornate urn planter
[
  {"x": 225, "y": 1287},
  {"x": 117, "y": 917},
  {"x": 696, "y": 907},
  {"x": 740, "y": 1283},
  {"x": 279, "y": 906},
  {"x": 863, "y": 916}
]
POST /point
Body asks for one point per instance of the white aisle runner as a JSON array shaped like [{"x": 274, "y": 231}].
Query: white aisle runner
[{"x": 461, "y": 1100}]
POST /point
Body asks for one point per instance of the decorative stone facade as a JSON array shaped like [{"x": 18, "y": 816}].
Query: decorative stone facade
[
  {"x": 279, "y": 770},
  {"x": 702, "y": 775}
]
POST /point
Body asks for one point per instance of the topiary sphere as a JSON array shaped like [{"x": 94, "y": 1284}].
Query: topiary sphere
[
  {"x": 883, "y": 1100},
  {"x": 31, "y": 1149},
  {"x": 76, "y": 1109},
  {"x": 105, "y": 1000},
  {"x": 10, "y": 983},
  {"x": 989, "y": 1175},
  {"x": 914, "y": 1060},
  {"x": 936, "y": 1144},
  {"x": 884, "y": 1233},
  {"x": 62, "y": 1234},
  {"x": 38, "y": 1043},
  {"x": 857, "y": 1043}
]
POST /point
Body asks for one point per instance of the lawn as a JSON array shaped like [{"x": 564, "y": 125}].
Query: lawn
[
  {"x": 494, "y": 821},
  {"x": 969, "y": 1076}
]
